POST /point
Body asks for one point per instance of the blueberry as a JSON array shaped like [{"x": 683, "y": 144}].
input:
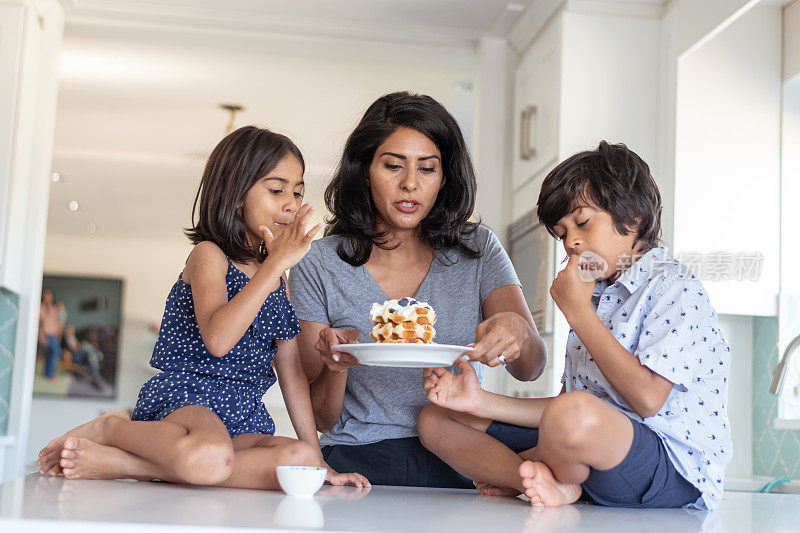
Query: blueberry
[
  {"x": 403, "y": 302},
  {"x": 392, "y": 310}
]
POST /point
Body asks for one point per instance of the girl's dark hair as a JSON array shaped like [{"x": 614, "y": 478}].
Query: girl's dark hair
[
  {"x": 348, "y": 196},
  {"x": 236, "y": 164},
  {"x": 613, "y": 178}
]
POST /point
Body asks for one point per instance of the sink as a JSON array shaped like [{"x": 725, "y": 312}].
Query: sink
[{"x": 754, "y": 484}]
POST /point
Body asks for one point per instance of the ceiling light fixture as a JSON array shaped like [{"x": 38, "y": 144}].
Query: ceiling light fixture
[
  {"x": 232, "y": 109},
  {"x": 73, "y": 205}
]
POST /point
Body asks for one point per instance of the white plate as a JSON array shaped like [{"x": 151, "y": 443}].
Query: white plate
[{"x": 404, "y": 354}]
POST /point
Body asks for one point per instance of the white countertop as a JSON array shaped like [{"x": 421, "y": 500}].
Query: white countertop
[{"x": 35, "y": 503}]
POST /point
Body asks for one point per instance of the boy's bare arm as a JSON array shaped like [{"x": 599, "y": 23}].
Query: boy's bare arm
[
  {"x": 644, "y": 390},
  {"x": 463, "y": 393},
  {"x": 525, "y": 412}
]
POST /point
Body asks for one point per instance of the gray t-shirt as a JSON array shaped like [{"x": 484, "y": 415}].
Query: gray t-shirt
[{"x": 381, "y": 402}]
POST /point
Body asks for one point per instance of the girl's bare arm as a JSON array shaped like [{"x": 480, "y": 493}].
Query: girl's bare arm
[
  {"x": 222, "y": 323},
  {"x": 295, "y": 390},
  {"x": 327, "y": 385}
]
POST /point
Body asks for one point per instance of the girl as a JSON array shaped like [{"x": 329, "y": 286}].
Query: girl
[{"x": 227, "y": 319}]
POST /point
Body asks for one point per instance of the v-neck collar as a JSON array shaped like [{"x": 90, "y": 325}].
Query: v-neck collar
[{"x": 428, "y": 274}]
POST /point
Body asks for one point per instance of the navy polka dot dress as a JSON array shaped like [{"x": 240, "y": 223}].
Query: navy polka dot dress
[{"x": 231, "y": 386}]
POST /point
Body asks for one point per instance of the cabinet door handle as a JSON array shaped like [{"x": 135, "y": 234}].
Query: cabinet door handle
[{"x": 526, "y": 151}]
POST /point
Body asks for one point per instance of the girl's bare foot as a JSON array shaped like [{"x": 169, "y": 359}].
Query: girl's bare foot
[
  {"x": 50, "y": 455},
  {"x": 543, "y": 489},
  {"x": 84, "y": 459},
  {"x": 491, "y": 490}
]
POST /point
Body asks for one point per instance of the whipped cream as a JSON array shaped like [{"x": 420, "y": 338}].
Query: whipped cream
[{"x": 403, "y": 307}]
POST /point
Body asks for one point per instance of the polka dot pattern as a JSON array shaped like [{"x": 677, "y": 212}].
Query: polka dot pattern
[{"x": 231, "y": 386}]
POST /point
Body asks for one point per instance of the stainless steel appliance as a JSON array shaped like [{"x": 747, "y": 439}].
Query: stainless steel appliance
[{"x": 532, "y": 251}]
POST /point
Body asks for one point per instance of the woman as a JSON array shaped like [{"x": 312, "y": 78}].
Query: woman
[{"x": 401, "y": 200}]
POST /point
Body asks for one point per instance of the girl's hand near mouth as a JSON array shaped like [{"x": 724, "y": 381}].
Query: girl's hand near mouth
[{"x": 293, "y": 242}]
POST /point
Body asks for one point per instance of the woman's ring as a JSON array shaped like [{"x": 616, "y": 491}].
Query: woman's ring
[{"x": 502, "y": 359}]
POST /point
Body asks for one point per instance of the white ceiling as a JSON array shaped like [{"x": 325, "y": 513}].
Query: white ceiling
[
  {"x": 441, "y": 21},
  {"x": 141, "y": 82}
]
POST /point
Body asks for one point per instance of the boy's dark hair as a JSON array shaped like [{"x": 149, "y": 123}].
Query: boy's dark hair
[
  {"x": 348, "y": 196},
  {"x": 239, "y": 160},
  {"x": 613, "y": 178}
]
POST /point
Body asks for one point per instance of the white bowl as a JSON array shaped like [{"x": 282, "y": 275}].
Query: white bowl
[{"x": 301, "y": 480}]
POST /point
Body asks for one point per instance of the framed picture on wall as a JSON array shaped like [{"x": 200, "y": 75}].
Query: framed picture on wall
[{"x": 79, "y": 328}]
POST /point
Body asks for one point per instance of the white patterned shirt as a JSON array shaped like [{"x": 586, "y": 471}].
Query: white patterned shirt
[{"x": 661, "y": 313}]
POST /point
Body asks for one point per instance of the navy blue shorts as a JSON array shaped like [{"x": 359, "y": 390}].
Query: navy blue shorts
[
  {"x": 645, "y": 478},
  {"x": 404, "y": 462}
]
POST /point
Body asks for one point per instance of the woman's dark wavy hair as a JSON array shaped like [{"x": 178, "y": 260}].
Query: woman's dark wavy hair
[
  {"x": 613, "y": 178},
  {"x": 239, "y": 160},
  {"x": 348, "y": 197}
]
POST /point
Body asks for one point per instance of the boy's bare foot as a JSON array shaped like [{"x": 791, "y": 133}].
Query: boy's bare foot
[
  {"x": 491, "y": 490},
  {"x": 50, "y": 455},
  {"x": 84, "y": 459},
  {"x": 543, "y": 489}
]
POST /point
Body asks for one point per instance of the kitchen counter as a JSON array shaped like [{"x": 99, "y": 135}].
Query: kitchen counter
[{"x": 36, "y": 503}]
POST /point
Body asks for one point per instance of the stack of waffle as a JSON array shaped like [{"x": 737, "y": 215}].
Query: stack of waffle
[{"x": 403, "y": 320}]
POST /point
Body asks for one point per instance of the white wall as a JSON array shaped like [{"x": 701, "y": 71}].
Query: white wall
[
  {"x": 791, "y": 40},
  {"x": 492, "y": 154}
]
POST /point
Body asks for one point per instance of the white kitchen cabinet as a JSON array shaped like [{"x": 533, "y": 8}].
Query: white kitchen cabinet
[
  {"x": 574, "y": 81},
  {"x": 536, "y": 107},
  {"x": 728, "y": 163}
]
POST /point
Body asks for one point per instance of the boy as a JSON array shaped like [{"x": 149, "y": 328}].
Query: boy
[{"x": 641, "y": 420}]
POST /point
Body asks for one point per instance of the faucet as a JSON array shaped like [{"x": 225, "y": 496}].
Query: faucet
[{"x": 780, "y": 372}]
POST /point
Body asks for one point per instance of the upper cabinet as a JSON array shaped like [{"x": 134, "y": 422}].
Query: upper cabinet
[
  {"x": 728, "y": 163},
  {"x": 536, "y": 86},
  {"x": 584, "y": 77}
]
